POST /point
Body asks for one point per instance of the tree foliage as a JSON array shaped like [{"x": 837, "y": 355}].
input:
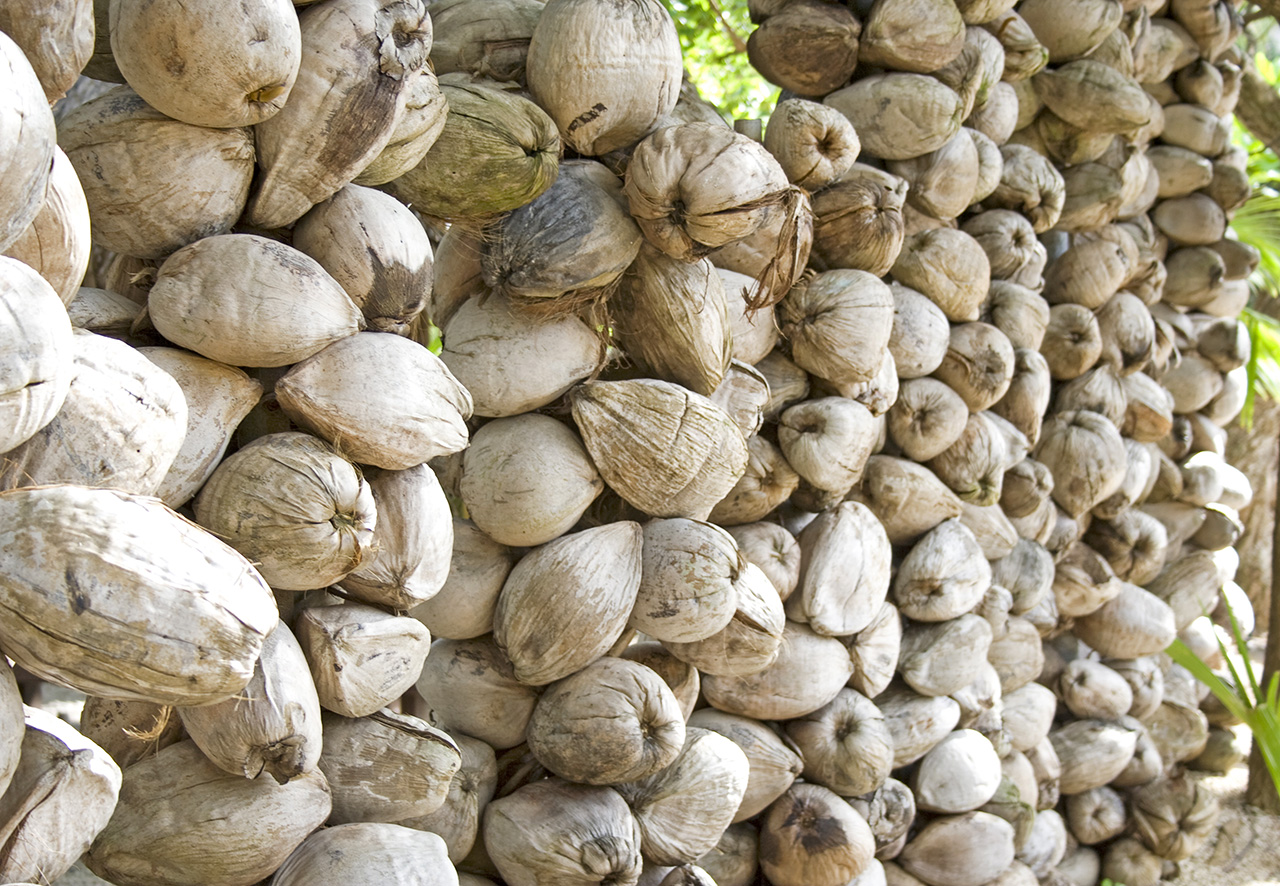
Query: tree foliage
[{"x": 713, "y": 38}]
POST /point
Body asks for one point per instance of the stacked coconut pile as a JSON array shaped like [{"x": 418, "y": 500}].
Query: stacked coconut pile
[{"x": 809, "y": 512}]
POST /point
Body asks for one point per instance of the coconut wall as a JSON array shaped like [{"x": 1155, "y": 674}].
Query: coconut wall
[{"x": 444, "y": 451}]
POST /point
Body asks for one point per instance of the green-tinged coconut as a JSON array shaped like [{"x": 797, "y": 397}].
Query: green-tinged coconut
[
  {"x": 606, "y": 73},
  {"x": 511, "y": 363},
  {"x": 812, "y": 837},
  {"x": 272, "y": 725},
  {"x": 663, "y": 448},
  {"x": 815, "y": 144},
  {"x": 172, "y": 804},
  {"x": 858, "y": 221},
  {"x": 355, "y": 76},
  {"x": 474, "y": 37},
  {"x": 218, "y": 68},
  {"x": 565, "y": 247},
  {"x": 140, "y": 171},
  {"x": 587, "y": 583},
  {"x": 321, "y": 535},
  {"x": 553, "y": 831},
  {"x": 375, "y": 249},
  {"x": 121, "y": 424},
  {"x": 497, "y": 151},
  {"x": 369, "y": 852},
  {"x": 901, "y": 115},
  {"x": 673, "y": 318},
  {"x": 28, "y": 135}
]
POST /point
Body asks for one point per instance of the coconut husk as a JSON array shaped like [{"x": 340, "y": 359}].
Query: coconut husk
[
  {"x": 1173, "y": 817},
  {"x": 1096, "y": 390},
  {"x": 774, "y": 255},
  {"x": 844, "y": 571},
  {"x": 807, "y": 47},
  {"x": 846, "y": 745},
  {"x": 157, "y": 837},
  {"x": 1027, "y": 572},
  {"x": 1072, "y": 30},
  {"x": 733, "y": 862},
  {"x": 858, "y": 221},
  {"x": 361, "y": 852},
  {"x": 943, "y": 657},
  {"x": 901, "y": 115},
  {"x": 681, "y": 677},
  {"x": 1193, "y": 220},
  {"x": 752, "y": 639},
  {"x": 916, "y": 722},
  {"x": 927, "y": 418},
  {"x": 1089, "y": 273},
  {"x": 942, "y": 183},
  {"x": 753, "y": 332},
  {"x": 1117, "y": 102},
  {"x": 40, "y": 358},
  {"x": 103, "y": 312},
  {"x": 839, "y": 323},
  {"x": 1046, "y": 845},
  {"x": 774, "y": 550},
  {"x": 774, "y": 765},
  {"x": 827, "y": 441},
  {"x": 688, "y": 582},
  {"x": 1091, "y": 752},
  {"x": 1013, "y": 802},
  {"x": 920, "y": 336},
  {"x": 1133, "y": 623},
  {"x": 956, "y": 849},
  {"x": 457, "y": 821},
  {"x": 1129, "y": 859},
  {"x": 471, "y": 688},
  {"x": 1240, "y": 259},
  {"x": 1027, "y": 488},
  {"x": 1086, "y": 455},
  {"x": 1027, "y": 398},
  {"x": 1031, "y": 185},
  {"x": 949, "y": 267},
  {"x": 1195, "y": 128},
  {"x": 1149, "y": 413},
  {"x": 892, "y": 36},
  {"x": 981, "y": 704},
  {"x": 57, "y": 41},
  {"x": 1146, "y": 764},
  {"x": 944, "y": 576},
  {"x": 1028, "y": 716},
  {"x": 478, "y": 39},
  {"x": 791, "y": 853},
  {"x": 815, "y": 144},
  {"x": 961, "y": 773},
  {"x": 907, "y": 498},
  {"x": 1134, "y": 543},
  {"x": 1017, "y": 654},
  {"x": 768, "y": 481},
  {"x": 1048, "y": 769},
  {"x": 874, "y": 651},
  {"x": 425, "y": 114},
  {"x": 1091, "y": 690},
  {"x": 1181, "y": 171},
  {"x": 1024, "y": 54},
  {"x": 973, "y": 466},
  {"x": 463, "y": 606},
  {"x": 998, "y": 118},
  {"x": 979, "y": 364},
  {"x": 56, "y": 243},
  {"x": 552, "y": 830},
  {"x": 1166, "y": 48},
  {"x": 128, "y": 730},
  {"x": 1016, "y": 257}
]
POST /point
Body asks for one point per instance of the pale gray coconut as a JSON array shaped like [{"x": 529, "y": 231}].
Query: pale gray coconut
[
  {"x": 1027, "y": 490},
  {"x": 1027, "y": 399},
  {"x": 56, "y": 244},
  {"x": 540, "y": 359},
  {"x": 344, "y": 54},
  {"x": 857, "y": 221},
  {"x": 1083, "y": 581},
  {"x": 944, "y": 576},
  {"x": 172, "y": 804},
  {"x": 377, "y": 251},
  {"x": 1181, "y": 170},
  {"x": 57, "y": 40},
  {"x": 321, "y": 535},
  {"x": 874, "y": 651},
  {"x": 808, "y": 672},
  {"x": 902, "y": 115},
  {"x": 1092, "y": 752},
  {"x": 612, "y": 721},
  {"x": 916, "y": 722},
  {"x": 688, "y": 581},
  {"x": 463, "y": 606},
  {"x": 752, "y": 639},
  {"x": 942, "y": 183},
  {"x": 960, "y": 773},
  {"x": 369, "y": 852},
  {"x": 754, "y": 333},
  {"x": 960, "y": 850},
  {"x": 812, "y": 837},
  {"x": 773, "y": 763},
  {"x": 788, "y": 383},
  {"x": 1028, "y": 715},
  {"x": 743, "y": 394},
  {"x": 131, "y": 196},
  {"x": 772, "y": 548},
  {"x": 999, "y": 117},
  {"x": 949, "y": 267},
  {"x": 272, "y": 725},
  {"x": 1024, "y": 53},
  {"x": 102, "y": 554},
  {"x": 217, "y": 69},
  {"x": 471, "y": 688},
  {"x": 920, "y": 335},
  {"x": 973, "y": 466},
  {"x": 827, "y": 441},
  {"x": 62, "y": 778},
  {"x": 839, "y": 324},
  {"x": 527, "y": 480},
  {"x": 733, "y": 862},
  {"x": 103, "y": 311},
  {"x": 681, "y": 677},
  {"x": 979, "y": 364},
  {"x": 846, "y": 745},
  {"x": 815, "y": 144},
  {"x": 672, "y": 316},
  {"x": 844, "y": 571},
  {"x": 943, "y": 657},
  {"x": 1090, "y": 689},
  {"x": 1017, "y": 654},
  {"x": 553, "y": 831},
  {"x": 567, "y": 602},
  {"x": 927, "y": 418},
  {"x": 457, "y": 821},
  {"x": 1096, "y": 816},
  {"x": 767, "y": 482},
  {"x": 1089, "y": 273},
  {"x": 1072, "y": 342},
  {"x": 361, "y": 658},
  {"x": 663, "y": 448},
  {"x": 386, "y": 766},
  {"x": 470, "y": 38},
  {"x": 907, "y": 498},
  {"x": 28, "y": 135},
  {"x": 38, "y": 360},
  {"x": 1087, "y": 457}
]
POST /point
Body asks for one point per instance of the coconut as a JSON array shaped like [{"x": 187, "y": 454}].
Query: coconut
[
  {"x": 567, "y": 246},
  {"x": 103, "y": 312},
  {"x": 944, "y": 657},
  {"x": 1090, "y": 689},
  {"x": 121, "y": 424},
  {"x": 1133, "y": 623},
  {"x": 927, "y": 418},
  {"x": 844, "y": 571},
  {"x": 949, "y": 267},
  {"x": 1028, "y": 715},
  {"x": 1092, "y": 752},
  {"x": 541, "y": 358},
  {"x": 1089, "y": 273},
  {"x": 839, "y": 323},
  {"x": 920, "y": 336},
  {"x": 1190, "y": 586},
  {"x": 1071, "y": 30},
  {"x": 1173, "y": 817},
  {"x": 56, "y": 243},
  {"x": 973, "y": 466},
  {"x": 217, "y": 70},
  {"x": 998, "y": 118},
  {"x": 156, "y": 837},
  {"x": 815, "y": 144},
  {"x": 463, "y": 607},
  {"x": 807, "y": 47},
  {"x": 369, "y": 852},
  {"x": 773, "y": 764},
  {"x": 752, "y": 639},
  {"x": 1086, "y": 455},
  {"x": 1017, "y": 654},
  {"x": 602, "y": 565},
  {"x": 858, "y": 221},
  {"x": 474, "y": 38},
  {"x": 688, "y": 582},
  {"x": 916, "y": 722},
  {"x": 61, "y": 777},
  {"x": 901, "y": 115},
  {"x": 271, "y": 725},
  {"x": 673, "y": 317},
  {"x": 1025, "y": 402},
  {"x": 1128, "y": 859},
  {"x": 961, "y": 773},
  {"x": 554, "y": 831},
  {"x": 425, "y": 114},
  {"x": 893, "y": 36},
  {"x": 1149, "y": 413},
  {"x": 131, "y": 202},
  {"x": 1027, "y": 490},
  {"x": 344, "y": 56},
  {"x": 40, "y": 356},
  {"x": 1195, "y": 128},
  {"x": 979, "y": 364},
  {"x": 768, "y": 482},
  {"x": 753, "y": 333},
  {"x": 361, "y": 658},
  {"x": 1117, "y": 102},
  {"x": 1133, "y": 543},
  {"x": 457, "y": 821},
  {"x": 733, "y": 862},
  {"x": 58, "y": 41},
  {"x": 774, "y": 550},
  {"x": 907, "y": 498},
  {"x": 471, "y": 688},
  {"x": 664, "y": 471},
  {"x": 792, "y": 853},
  {"x": 944, "y": 575},
  {"x": 874, "y": 652},
  {"x": 827, "y": 441},
  {"x": 942, "y": 183},
  {"x": 1048, "y": 769},
  {"x": 776, "y": 253},
  {"x": 1014, "y": 255},
  {"x": 497, "y": 151},
  {"x": 681, "y": 677},
  {"x": 787, "y": 382},
  {"x": 1181, "y": 170},
  {"x": 1031, "y": 185},
  {"x": 960, "y": 850},
  {"x": 29, "y": 137},
  {"x": 129, "y": 731}
]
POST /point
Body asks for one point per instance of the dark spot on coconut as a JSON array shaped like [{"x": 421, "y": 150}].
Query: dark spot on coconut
[{"x": 79, "y": 599}]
